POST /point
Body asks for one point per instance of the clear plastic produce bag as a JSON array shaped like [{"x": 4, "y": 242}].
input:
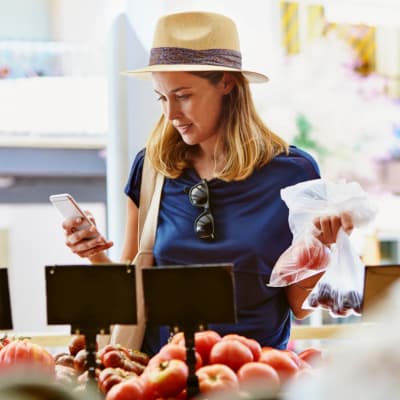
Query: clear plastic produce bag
[
  {"x": 306, "y": 256},
  {"x": 306, "y": 201},
  {"x": 340, "y": 288}
]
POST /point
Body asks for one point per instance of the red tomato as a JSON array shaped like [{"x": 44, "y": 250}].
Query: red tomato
[
  {"x": 65, "y": 375},
  {"x": 178, "y": 338},
  {"x": 174, "y": 352},
  {"x": 127, "y": 390},
  {"x": 23, "y": 353},
  {"x": 217, "y": 377},
  {"x": 80, "y": 361},
  {"x": 154, "y": 361},
  {"x": 252, "y": 344},
  {"x": 294, "y": 356},
  {"x": 258, "y": 375},
  {"x": 287, "y": 279},
  {"x": 181, "y": 396},
  {"x": 114, "y": 347},
  {"x": 167, "y": 379},
  {"x": 281, "y": 362},
  {"x": 267, "y": 348},
  {"x": 313, "y": 256},
  {"x": 231, "y": 353},
  {"x": 5, "y": 340},
  {"x": 311, "y": 356},
  {"x": 77, "y": 343},
  {"x": 110, "y": 377},
  {"x": 204, "y": 341}
]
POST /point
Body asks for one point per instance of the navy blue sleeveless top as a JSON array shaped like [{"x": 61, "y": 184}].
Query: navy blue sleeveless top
[{"x": 251, "y": 231}]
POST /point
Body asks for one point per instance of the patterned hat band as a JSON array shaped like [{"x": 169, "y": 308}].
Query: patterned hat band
[{"x": 179, "y": 55}]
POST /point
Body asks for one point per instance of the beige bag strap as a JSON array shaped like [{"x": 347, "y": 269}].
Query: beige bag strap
[
  {"x": 150, "y": 196},
  {"x": 131, "y": 336}
]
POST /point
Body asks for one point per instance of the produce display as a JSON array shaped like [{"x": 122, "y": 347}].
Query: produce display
[{"x": 229, "y": 363}]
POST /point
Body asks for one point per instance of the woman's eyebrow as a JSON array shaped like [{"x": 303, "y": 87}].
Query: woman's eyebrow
[{"x": 174, "y": 90}]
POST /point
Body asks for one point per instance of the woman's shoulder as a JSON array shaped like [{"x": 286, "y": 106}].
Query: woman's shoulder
[
  {"x": 139, "y": 158},
  {"x": 132, "y": 188},
  {"x": 298, "y": 160},
  {"x": 137, "y": 163}
]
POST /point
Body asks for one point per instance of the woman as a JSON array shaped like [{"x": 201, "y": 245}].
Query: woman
[{"x": 211, "y": 143}]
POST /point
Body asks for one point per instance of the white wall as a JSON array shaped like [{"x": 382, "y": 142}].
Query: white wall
[
  {"x": 24, "y": 19},
  {"x": 36, "y": 239},
  {"x": 78, "y": 20}
]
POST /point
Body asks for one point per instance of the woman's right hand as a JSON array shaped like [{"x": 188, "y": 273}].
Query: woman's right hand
[{"x": 85, "y": 242}]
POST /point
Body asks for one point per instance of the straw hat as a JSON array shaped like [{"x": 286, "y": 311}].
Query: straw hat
[{"x": 195, "y": 41}]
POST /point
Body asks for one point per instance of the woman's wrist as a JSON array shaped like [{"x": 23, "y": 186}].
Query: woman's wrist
[
  {"x": 302, "y": 287},
  {"x": 308, "y": 284},
  {"x": 99, "y": 258}
]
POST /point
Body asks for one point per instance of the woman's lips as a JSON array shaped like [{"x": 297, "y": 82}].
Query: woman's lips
[{"x": 183, "y": 128}]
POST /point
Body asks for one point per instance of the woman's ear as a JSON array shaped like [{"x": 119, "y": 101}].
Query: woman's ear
[{"x": 227, "y": 83}]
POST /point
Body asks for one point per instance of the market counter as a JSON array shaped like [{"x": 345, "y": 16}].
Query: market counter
[{"x": 299, "y": 332}]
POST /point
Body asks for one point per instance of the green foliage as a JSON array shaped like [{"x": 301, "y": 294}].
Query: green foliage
[{"x": 304, "y": 138}]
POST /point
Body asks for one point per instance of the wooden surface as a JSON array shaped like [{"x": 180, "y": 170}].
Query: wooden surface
[
  {"x": 298, "y": 333},
  {"x": 326, "y": 331}
]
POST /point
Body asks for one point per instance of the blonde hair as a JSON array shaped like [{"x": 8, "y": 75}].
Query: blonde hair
[{"x": 247, "y": 144}]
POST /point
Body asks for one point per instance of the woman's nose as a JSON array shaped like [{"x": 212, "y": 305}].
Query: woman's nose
[{"x": 171, "y": 110}]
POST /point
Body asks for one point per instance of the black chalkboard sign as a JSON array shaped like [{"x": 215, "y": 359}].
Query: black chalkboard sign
[
  {"x": 91, "y": 296},
  {"x": 5, "y": 307}
]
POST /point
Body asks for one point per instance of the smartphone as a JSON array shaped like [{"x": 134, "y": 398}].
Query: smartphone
[{"x": 69, "y": 208}]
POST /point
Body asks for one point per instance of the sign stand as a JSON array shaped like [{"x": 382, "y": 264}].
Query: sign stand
[
  {"x": 5, "y": 305},
  {"x": 90, "y": 298},
  {"x": 188, "y": 298}
]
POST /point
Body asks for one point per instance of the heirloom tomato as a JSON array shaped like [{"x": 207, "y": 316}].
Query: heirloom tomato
[
  {"x": 231, "y": 353},
  {"x": 76, "y": 343},
  {"x": 166, "y": 379},
  {"x": 311, "y": 356},
  {"x": 258, "y": 375},
  {"x": 172, "y": 351},
  {"x": 216, "y": 378},
  {"x": 252, "y": 344},
  {"x": 204, "y": 341},
  {"x": 281, "y": 361},
  {"x": 23, "y": 353},
  {"x": 129, "y": 389}
]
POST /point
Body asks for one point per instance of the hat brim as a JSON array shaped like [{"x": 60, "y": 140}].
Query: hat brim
[{"x": 145, "y": 73}]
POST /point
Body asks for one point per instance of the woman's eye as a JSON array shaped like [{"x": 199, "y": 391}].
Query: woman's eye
[
  {"x": 161, "y": 98},
  {"x": 183, "y": 96}
]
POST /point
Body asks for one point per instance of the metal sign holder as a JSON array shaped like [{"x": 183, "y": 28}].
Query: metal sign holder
[{"x": 172, "y": 297}]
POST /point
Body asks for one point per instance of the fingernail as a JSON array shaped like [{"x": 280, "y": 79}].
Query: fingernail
[{"x": 78, "y": 220}]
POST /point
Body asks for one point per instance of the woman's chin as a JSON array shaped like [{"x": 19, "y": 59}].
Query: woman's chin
[{"x": 190, "y": 141}]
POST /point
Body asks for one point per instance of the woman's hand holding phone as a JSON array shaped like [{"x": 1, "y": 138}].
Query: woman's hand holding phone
[
  {"x": 82, "y": 236},
  {"x": 83, "y": 239}
]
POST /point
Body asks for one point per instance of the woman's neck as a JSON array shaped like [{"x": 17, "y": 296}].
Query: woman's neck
[{"x": 207, "y": 165}]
